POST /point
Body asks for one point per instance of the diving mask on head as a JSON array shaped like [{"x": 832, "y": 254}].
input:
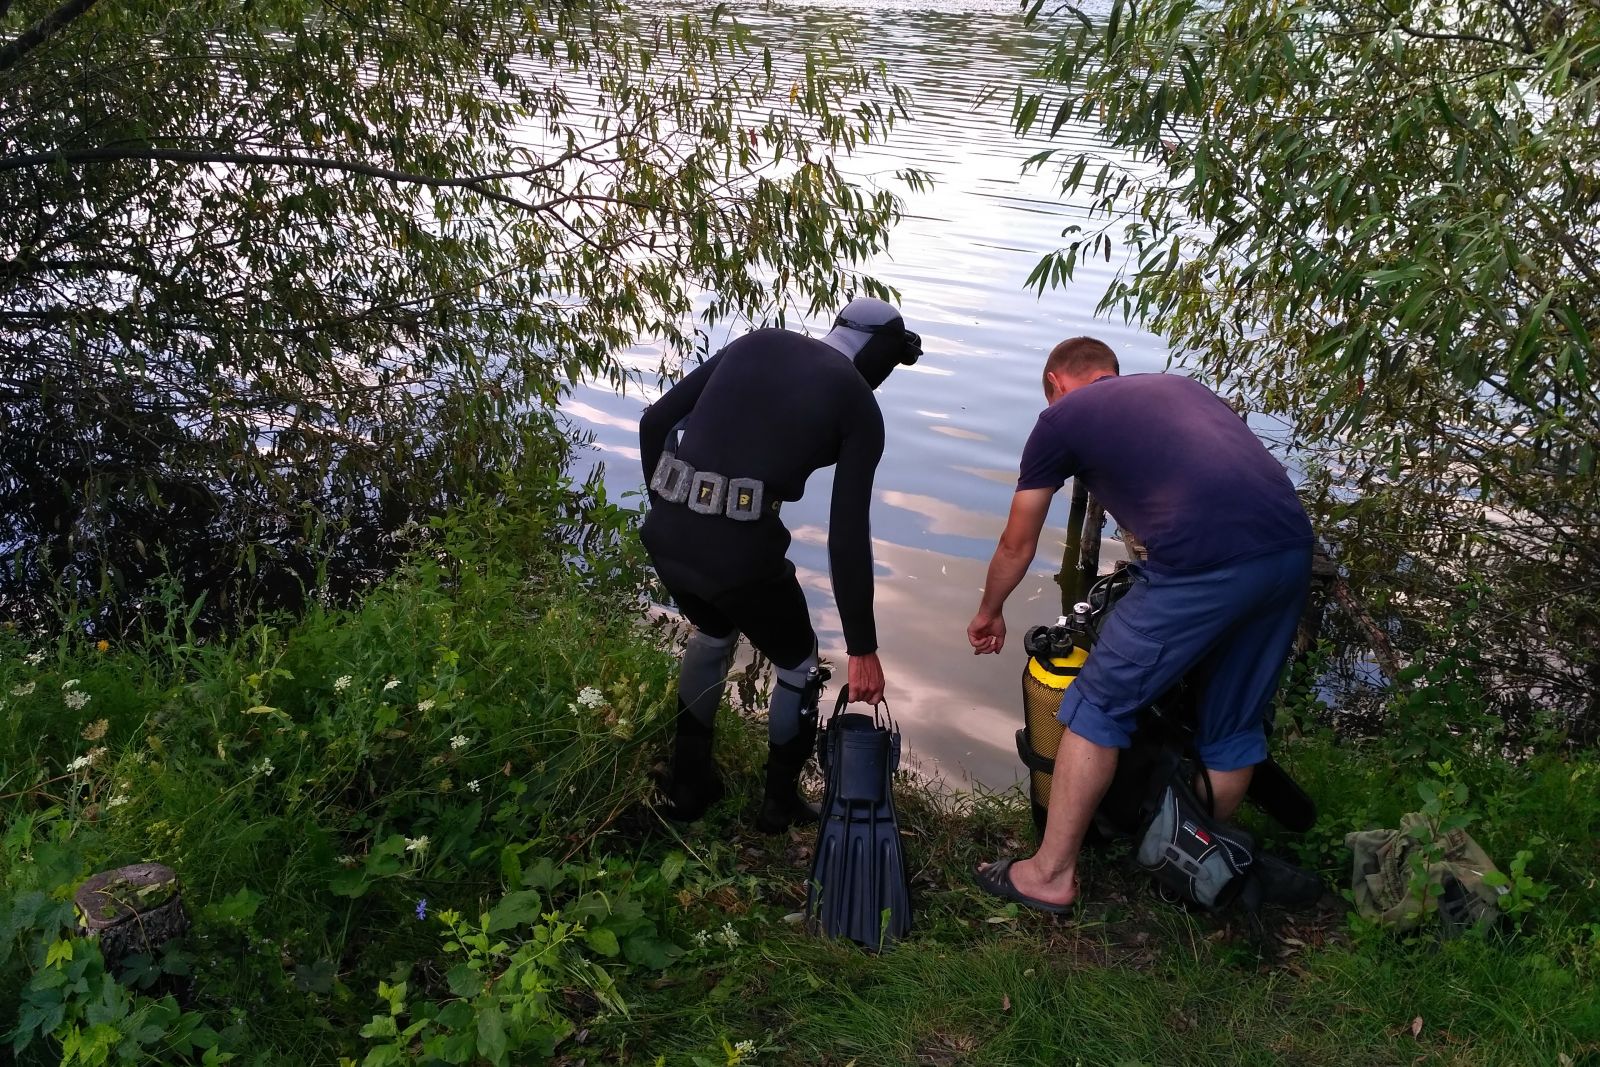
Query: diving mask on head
[{"x": 872, "y": 333}]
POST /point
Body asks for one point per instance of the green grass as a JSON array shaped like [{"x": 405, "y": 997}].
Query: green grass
[
  {"x": 285, "y": 798},
  {"x": 1128, "y": 979}
]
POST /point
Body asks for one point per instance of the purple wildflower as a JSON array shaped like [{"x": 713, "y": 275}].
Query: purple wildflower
[{"x": 422, "y": 908}]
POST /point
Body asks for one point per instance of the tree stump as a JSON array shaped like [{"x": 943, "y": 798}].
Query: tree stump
[{"x": 132, "y": 910}]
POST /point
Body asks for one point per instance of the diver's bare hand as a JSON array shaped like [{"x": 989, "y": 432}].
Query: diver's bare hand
[
  {"x": 866, "y": 679},
  {"x": 986, "y": 632}
]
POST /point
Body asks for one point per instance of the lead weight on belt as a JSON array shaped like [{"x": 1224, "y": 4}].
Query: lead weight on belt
[
  {"x": 672, "y": 479},
  {"x": 707, "y": 493}
]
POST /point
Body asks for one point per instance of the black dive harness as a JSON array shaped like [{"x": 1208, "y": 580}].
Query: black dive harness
[{"x": 708, "y": 493}]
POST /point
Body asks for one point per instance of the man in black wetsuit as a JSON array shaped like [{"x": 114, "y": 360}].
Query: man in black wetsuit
[{"x": 721, "y": 450}]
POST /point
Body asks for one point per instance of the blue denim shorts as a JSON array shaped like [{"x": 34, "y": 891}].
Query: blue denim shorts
[{"x": 1235, "y": 623}]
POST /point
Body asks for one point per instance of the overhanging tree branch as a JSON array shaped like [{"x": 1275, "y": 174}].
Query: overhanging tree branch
[
  {"x": 40, "y": 32},
  {"x": 118, "y": 153}
]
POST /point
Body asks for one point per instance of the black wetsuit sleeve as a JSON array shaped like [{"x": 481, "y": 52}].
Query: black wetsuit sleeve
[
  {"x": 849, "y": 528},
  {"x": 675, "y": 404}
]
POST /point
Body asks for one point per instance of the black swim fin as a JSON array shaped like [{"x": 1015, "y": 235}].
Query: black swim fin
[
  {"x": 1280, "y": 796},
  {"x": 859, "y": 886}
]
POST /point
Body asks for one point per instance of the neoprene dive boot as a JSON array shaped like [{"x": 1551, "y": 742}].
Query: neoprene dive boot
[
  {"x": 693, "y": 783},
  {"x": 782, "y": 806}
]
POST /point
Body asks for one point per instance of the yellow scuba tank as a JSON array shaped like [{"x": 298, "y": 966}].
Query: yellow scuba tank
[{"x": 1055, "y": 656}]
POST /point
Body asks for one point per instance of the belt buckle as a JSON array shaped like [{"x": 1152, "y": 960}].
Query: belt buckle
[
  {"x": 744, "y": 499},
  {"x": 707, "y": 492},
  {"x": 672, "y": 478}
]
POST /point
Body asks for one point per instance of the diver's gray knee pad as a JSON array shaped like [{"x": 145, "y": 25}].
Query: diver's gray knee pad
[
  {"x": 794, "y": 696},
  {"x": 703, "y": 671}
]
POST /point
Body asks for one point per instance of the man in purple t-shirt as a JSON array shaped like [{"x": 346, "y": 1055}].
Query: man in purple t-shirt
[{"x": 1227, "y": 575}]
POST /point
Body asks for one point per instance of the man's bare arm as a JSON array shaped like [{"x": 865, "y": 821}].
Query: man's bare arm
[{"x": 1018, "y": 545}]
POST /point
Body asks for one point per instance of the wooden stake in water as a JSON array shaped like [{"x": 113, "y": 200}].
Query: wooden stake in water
[{"x": 1070, "y": 577}]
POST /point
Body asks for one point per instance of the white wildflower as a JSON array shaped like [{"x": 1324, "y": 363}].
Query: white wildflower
[
  {"x": 745, "y": 1048},
  {"x": 459, "y": 741},
  {"x": 118, "y": 800},
  {"x": 702, "y": 937},
  {"x": 2, "y": 705},
  {"x": 22, "y": 690},
  {"x": 590, "y": 697},
  {"x": 473, "y": 786},
  {"x": 346, "y": 861},
  {"x": 77, "y": 699},
  {"x": 426, "y": 705},
  {"x": 33, "y": 659},
  {"x": 392, "y": 683},
  {"x": 341, "y": 683},
  {"x": 728, "y": 935},
  {"x": 70, "y": 683},
  {"x": 418, "y": 845},
  {"x": 88, "y": 759},
  {"x": 264, "y": 768}
]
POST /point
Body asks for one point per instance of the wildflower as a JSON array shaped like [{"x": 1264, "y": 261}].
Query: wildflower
[
  {"x": 422, "y": 908},
  {"x": 702, "y": 937},
  {"x": 77, "y": 699},
  {"x": 341, "y": 683},
  {"x": 418, "y": 845},
  {"x": 473, "y": 786},
  {"x": 744, "y": 1048},
  {"x": 33, "y": 659},
  {"x": 118, "y": 800},
  {"x": 96, "y": 730},
  {"x": 346, "y": 861},
  {"x": 22, "y": 690},
  {"x": 426, "y": 705},
  {"x": 391, "y": 684},
  {"x": 591, "y": 697},
  {"x": 88, "y": 759},
  {"x": 459, "y": 741},
  {"x": 70, "y": 683},
  {"x": 264, "y": 768},
  {"x": 102, "y": 646},
  {"x": 728, "y": 935}
]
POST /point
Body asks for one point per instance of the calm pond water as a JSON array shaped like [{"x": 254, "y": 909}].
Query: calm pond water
[{"x": 956, "y": 421}]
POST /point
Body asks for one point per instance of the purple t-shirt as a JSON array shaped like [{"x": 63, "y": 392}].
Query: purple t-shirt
[{"x": 1174, "y": 464}]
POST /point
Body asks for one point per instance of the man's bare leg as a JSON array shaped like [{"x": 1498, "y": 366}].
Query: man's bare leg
[
  {"x": 1227, "y": 789},
  {"x": 1082, "y": 776}
]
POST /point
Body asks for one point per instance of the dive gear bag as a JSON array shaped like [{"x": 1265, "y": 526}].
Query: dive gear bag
[{"x": 1195, "y": 857}]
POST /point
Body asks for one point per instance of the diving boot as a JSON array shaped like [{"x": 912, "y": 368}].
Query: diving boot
[
  {"x": 693, "y": 784},
  {"x": 782, "y": 805}
]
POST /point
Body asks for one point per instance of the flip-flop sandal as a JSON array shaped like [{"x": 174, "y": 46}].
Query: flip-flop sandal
[{"x": 996, "y": 879}]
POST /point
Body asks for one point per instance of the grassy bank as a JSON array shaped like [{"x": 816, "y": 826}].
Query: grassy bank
[{"x": 413, "y": 831}]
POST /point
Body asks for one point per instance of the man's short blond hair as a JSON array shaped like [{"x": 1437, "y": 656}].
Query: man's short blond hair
[{"x": 1079, "y": 357}]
